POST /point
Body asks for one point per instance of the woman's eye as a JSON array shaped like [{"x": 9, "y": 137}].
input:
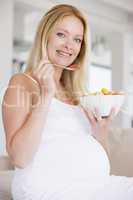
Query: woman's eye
[
  {"x": 78, "y": 40},
  {"x": 60, "y": 34}
]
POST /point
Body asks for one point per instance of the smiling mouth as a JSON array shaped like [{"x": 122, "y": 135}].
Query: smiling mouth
[{"x": 63, "y": 53}]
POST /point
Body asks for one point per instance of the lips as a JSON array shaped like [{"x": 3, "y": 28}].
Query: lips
[{"x": 63, "y": 53}]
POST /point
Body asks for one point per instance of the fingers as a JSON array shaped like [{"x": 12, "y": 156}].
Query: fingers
[
  {"x": 97, "y": 115},
  {"x": 49, "y": 72},
  {"x": 42, "y": 64},
  {"x": 43, "y": 67},
  {"x": 89, "y": 114},
  {"x": 111, "y": 114}
]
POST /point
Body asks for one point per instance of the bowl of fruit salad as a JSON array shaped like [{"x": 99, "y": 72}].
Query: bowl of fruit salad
[{"x": 103, "y": 101}]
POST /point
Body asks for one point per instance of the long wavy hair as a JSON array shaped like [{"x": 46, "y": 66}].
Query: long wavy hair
[{"x": 75, "y": 82}]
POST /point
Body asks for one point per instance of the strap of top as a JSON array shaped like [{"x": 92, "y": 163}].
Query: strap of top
[{"x": 27, "y": 75}]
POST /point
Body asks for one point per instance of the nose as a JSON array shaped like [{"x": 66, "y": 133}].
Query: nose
[{"x": 69, "y": 44}]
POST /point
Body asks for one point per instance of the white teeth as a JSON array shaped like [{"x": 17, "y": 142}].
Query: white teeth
[{"x": 63, "y": 53}]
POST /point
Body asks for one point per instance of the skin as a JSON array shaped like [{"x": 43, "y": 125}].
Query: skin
[{"x": 66, "y": 37}]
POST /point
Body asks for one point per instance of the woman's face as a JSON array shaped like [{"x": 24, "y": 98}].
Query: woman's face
[{"x": 65, "y": 41}]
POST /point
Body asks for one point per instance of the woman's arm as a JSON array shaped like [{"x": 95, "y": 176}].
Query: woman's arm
[{"x": 23, "y": 123}]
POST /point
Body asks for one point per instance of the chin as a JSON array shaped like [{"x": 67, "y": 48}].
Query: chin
[{"x": 61, "y": 62}]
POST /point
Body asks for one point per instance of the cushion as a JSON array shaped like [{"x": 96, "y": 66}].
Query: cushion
[
  {"x": 5, "y": 184},
  {"x": 121, "y": 151}
]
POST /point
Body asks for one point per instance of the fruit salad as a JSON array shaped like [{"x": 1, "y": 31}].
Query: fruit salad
[{"x": 105, "y": 91}]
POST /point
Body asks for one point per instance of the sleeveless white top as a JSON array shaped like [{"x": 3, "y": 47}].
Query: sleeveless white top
[{"x": 67, "y": 156}]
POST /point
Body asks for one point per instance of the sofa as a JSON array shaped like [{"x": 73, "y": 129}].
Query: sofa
[
  {"x": 6, "y": 175},
  {"x": 121, "y": 160}
]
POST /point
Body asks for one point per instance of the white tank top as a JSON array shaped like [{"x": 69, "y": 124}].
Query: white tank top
[{"x": 67, "y": 153}]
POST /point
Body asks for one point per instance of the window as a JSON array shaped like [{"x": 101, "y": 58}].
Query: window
[
  {"x": 100, "y": 76},
  {"x": 100, "y": 72}
]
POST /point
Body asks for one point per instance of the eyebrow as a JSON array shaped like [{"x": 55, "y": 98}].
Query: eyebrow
[{"x": 68, "y": 32}]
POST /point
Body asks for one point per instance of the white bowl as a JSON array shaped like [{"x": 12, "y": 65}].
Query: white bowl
[{"x": 103, "y": 103}]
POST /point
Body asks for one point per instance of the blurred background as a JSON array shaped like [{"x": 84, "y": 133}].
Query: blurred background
[{"x": 111, "y": 60}]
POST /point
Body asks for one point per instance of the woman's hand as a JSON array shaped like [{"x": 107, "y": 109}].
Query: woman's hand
[
  {"x": 99, "y": 125},
  {"x": 44, "y": 74}
]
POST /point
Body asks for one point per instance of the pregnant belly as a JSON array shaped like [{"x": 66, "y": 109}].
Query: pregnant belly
[{"x": 64, "y": 160}]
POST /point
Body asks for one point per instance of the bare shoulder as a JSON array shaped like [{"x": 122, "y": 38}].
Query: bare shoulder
[
  {"x": 21, "y": 88},
  {"x": 22, "y": 81}
]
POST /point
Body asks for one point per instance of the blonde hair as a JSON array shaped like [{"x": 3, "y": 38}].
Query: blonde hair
[{"x": 75, "y": 82}]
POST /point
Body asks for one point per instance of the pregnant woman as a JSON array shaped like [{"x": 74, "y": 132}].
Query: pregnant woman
[{"x": 59, "y": 149}]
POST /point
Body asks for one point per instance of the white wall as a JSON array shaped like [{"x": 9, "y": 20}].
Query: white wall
[
  {"x": 6, "y": 26},
  {"x": 121, "y": 46}
]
